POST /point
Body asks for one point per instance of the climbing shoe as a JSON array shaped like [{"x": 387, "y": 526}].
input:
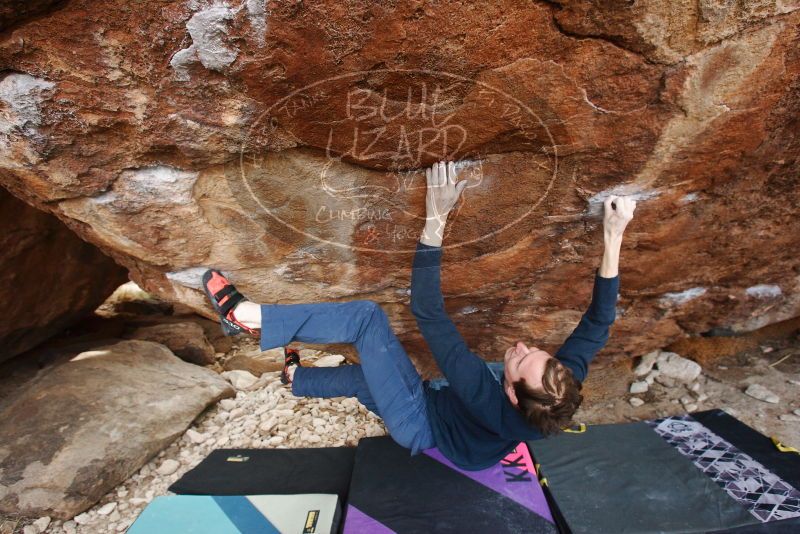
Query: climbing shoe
[
  {"x": 224, "y": 297},
  {"x": 290, "y": 357}
]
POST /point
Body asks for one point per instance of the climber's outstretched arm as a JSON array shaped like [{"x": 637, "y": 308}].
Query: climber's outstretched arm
[
  {"x": 469, "y": 377},
  {"x": 592, "y": 331}
]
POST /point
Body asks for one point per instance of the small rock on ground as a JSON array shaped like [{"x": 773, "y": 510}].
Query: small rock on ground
[
  {"x": 195, "y": 436},
  {"x": 757, "y": 391},
  {"x": 168, "y": 467},
  {"x": 239, "y": 379},
  {"x": 82, "y": 519},
  {"x": 688, "y": 403},
  {"x": 676, "y": 366},
  {"x": 651, "y": 376},
  {"x": 331, "y": 360},
  {"x": 665, "y": 381},
  {"x": 646, "y": 364},
  {"x": 227, "y": 404},
  {"x": 107, "y": 508},
  {"x": 42, "y": 523}
]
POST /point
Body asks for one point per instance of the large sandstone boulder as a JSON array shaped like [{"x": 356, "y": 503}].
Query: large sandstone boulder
[
  {"x": 85, "y": 426},
  {"x": 284, "y": 143},
  {"x": 50, "y": 277}
]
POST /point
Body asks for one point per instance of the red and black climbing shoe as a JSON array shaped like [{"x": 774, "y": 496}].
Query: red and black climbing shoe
[
  {"x": 224, "y": 297},
  {"x": 290, "y": 357}
]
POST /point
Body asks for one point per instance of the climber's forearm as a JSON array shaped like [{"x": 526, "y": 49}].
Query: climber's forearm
[
  {"x": 609, "y": 266},
  {"x": 433, "y": 231},
  {"x": 617, "y": 213}
]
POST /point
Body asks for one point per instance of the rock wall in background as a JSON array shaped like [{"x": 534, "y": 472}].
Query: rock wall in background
[
  {"x": 51, "y": 278},
  {"x": 283, "y": 143}
]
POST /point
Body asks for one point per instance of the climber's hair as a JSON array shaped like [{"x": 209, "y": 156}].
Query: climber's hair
[{"x": 550, "y": 409}]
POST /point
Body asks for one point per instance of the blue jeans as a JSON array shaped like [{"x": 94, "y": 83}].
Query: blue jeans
[{"x": 386, "y": 382}]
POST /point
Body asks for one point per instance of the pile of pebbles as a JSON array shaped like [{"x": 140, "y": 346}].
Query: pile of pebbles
[
  {"x": 265, "y": 416},
  {"x": 669, "y": 369}
]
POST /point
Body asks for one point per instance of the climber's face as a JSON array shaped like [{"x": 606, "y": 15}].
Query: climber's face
[{"x": 525, "y": 362}]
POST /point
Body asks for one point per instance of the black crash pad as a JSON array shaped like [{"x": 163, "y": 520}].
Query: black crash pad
[{"x": 324, "y": 470}]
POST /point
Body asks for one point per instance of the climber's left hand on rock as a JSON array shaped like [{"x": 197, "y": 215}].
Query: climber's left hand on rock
[{"x": 443, "y": 191}]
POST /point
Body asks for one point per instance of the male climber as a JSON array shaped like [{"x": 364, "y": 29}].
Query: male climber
[{"x": 476, "y": 416}]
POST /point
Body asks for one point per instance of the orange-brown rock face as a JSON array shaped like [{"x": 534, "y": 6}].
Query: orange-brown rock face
[
  {"x": 51, "y": 278},
  {"x": 284, "y": 143}
]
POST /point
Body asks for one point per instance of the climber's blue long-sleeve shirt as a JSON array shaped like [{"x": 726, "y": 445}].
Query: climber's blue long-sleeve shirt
[{"x": 473, "y": 422}]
